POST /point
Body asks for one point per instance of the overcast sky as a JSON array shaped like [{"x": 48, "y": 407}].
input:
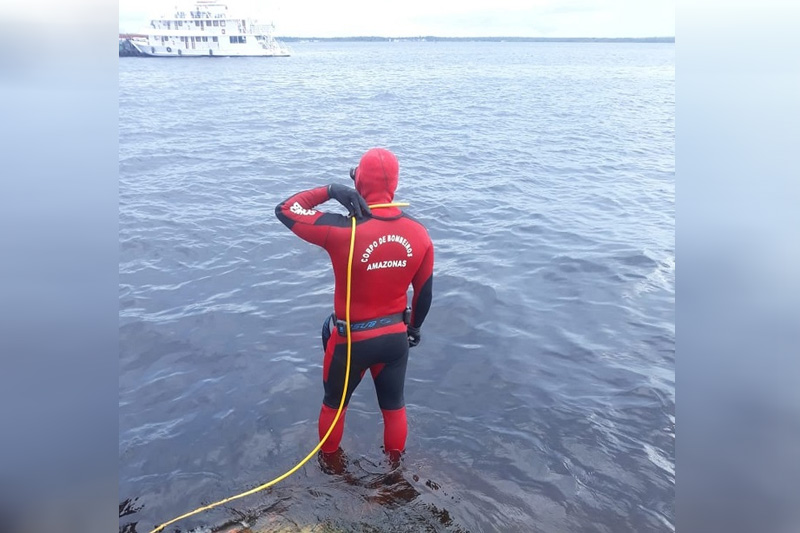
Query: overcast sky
[{"x": 446, "y": 18}]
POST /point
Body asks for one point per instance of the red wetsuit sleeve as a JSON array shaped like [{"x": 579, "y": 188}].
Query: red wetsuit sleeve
[
  {"x": 298, "y": 213},
  {"x": 423, "y": 289}
]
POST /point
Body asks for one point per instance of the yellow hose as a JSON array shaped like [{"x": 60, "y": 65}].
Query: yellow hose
[{"x": 341, "y": 402}]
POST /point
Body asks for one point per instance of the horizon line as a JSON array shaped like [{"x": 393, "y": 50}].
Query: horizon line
[{"x": 463, "y": 37}]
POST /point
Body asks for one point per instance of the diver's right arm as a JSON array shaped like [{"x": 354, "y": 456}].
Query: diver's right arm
[{"x": 299, "y": 213}]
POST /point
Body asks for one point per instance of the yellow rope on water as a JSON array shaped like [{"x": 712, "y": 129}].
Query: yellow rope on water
[{"x": 341, "y": 402}]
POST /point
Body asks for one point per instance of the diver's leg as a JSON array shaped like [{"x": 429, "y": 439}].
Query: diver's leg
[
  {"x": 326, "y": 416},
  {"x": 395, "y": 430},
  {"x": 389, "y": 380},
  {"x": 333, "y": 380}
]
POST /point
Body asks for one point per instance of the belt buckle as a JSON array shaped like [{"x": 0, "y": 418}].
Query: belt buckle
[{"x": 341, "y": 327}]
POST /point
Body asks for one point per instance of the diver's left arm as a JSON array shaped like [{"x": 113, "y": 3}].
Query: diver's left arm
[
  {"x": 423, "y": 295},
  {"x": 423, "y": 289}
]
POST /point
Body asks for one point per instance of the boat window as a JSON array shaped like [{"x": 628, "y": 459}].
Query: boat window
[
  {"x": 214, "y": 39},
  {"x": 196, "y": 22},
  {"x": 222, "y": 23},
  {"x": 216, "y": 23},
  {"x": 205, "y": 39}
]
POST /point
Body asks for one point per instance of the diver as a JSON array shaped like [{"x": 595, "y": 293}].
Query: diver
[{"x": 392, "y": 252}]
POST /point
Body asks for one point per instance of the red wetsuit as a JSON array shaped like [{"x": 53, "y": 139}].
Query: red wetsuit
[{"x": 392, "y": 252}]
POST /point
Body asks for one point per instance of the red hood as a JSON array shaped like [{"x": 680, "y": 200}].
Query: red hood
[{"x": 376, "y": 176}]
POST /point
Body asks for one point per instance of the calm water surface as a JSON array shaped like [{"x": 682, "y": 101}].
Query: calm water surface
[{"x": 542, "y": 397}]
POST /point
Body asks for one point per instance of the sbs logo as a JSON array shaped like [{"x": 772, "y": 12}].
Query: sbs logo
[{"x": 297, "y": 209}]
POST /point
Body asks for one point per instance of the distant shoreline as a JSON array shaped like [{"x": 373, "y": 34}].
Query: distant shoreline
[{"x": 486, "y": 39}]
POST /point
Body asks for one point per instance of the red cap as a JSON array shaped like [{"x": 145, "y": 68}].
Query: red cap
[{"x": 376, "y": 176}]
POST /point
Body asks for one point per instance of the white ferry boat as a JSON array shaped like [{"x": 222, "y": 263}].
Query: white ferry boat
[{"x": 207, "y": 29}]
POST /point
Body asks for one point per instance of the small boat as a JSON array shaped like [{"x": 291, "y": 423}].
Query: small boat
[{"x": 206, "y": 29}]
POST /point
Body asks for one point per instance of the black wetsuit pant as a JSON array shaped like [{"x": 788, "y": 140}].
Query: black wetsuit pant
[{"x": 386, "y": 357}]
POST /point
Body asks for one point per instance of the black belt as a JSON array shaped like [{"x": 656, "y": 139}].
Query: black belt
[{"x": 388, "y": 320}]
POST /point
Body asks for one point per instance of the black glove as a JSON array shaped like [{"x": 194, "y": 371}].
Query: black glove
[
  {"x": 350, "y": 199},
  {"x": 414, "y": 336}
]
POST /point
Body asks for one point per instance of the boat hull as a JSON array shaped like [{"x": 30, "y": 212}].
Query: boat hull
[{"x": 178, "y": 51}]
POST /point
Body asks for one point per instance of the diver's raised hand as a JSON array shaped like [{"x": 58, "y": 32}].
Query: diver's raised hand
[{"x": 350, "y": 199}]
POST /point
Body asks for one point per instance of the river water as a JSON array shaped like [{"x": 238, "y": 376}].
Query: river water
[{"x": 542, "y": 396}]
